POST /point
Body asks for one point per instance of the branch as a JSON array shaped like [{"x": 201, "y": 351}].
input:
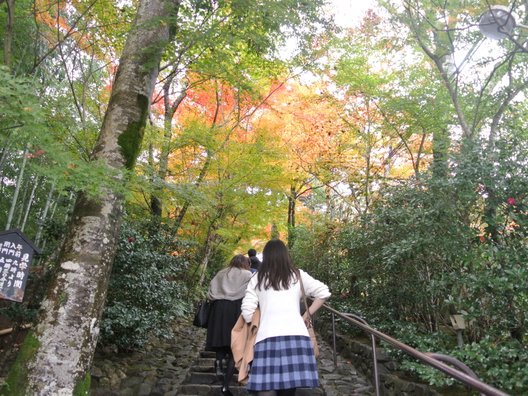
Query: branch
[
  {"x": 486, "y": 84},
  {"x": 418, "y": 156},
  {"x": 437, "y": 60},
  {"x": 70, "y": 81},
  {"x": 69, "y": 33},
  {"x": 404, "y": 142},
  {"x": 502, "y": 108},
  {"x": 12, "y": 127}
]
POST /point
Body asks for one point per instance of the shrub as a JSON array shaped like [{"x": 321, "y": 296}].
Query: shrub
[
  {"x": 501, "y": 363},
  {"x": 147, "y": 288}
]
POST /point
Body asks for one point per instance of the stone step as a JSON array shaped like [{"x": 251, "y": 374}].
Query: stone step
[
  {"x": 201, "y": 380},
  {"x": 215, "y": 390},
  {"x": 209, "y": 390},
  {"x": 203, "y": 364},
  {"x": 309, "y": 392},
  {"x": 196, "y": 377},
  {"x": 166, "y": 369}
]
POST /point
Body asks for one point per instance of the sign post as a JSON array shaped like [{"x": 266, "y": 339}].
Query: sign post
[{"x": 16, "y": 253}]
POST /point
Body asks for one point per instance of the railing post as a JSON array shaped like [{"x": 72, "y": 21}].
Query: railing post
[
  {"x": 375, "y": 357},
  {"x": 374, "y": 353},
  {"x": 334, "y": 340}
]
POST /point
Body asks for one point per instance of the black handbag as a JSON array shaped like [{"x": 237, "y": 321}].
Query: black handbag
[{"x": 202, "y": 314}]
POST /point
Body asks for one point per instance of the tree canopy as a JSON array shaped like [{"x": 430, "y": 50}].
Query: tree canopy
[{"x": 143, "y": 144}]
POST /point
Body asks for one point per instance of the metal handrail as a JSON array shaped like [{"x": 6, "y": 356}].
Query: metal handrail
[{"x": 461, "y": 373}]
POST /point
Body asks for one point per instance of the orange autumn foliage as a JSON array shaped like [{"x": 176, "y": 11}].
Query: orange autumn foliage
[
  {"x": 49, "y": 13},
  {"x": 78, "y": 21},
  {"x": 307, "y": 125}
]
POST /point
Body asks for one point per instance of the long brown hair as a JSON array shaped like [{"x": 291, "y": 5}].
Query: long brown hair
[{"x": 277, "y": 270}]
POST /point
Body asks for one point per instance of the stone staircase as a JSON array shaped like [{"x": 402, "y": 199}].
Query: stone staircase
[
  {"x": 179, "y": 366},
  {"x": 201, "y": 380}
]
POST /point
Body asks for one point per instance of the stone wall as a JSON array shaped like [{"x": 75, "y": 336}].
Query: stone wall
[
  {"x": 360, "y": 353},
  {"x": 157, "y": 369}
]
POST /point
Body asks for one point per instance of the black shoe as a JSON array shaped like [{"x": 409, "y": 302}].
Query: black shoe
[{"x": 225, "y": 391}]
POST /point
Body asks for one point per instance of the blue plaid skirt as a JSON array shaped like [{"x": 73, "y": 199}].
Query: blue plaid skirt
[{"x": 283, "y": 362}]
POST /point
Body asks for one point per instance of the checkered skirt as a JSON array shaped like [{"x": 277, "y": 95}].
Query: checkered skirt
[{"x": 283, "y": 362}]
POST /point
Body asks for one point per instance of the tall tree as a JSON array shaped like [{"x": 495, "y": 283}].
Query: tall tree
[
  {"x": 229, "y": 43},
  {"x": 311, "y": 140},
  {"x": 60, "y": 350},
  {"x": 484, "y": 83}
]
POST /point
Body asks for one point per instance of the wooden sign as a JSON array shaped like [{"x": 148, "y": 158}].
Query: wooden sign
[{"x": 16, "y": 253}]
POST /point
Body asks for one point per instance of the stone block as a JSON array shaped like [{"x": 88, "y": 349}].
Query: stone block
[
  {"x": 195, "y": 389},
  {"x": 382, "y": 355},
  {"x": 131, "y": 382},
  {"x": 144, "y": 390},
  {"x": 203, "y": 378},
  {"x": 96, "y": 372}
]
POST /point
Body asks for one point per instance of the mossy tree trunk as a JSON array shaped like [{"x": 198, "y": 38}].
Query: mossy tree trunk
[{"x": 64, "y": 340}]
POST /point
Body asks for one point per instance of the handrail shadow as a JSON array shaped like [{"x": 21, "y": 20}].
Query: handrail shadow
[{"x": 460, "y": 371}]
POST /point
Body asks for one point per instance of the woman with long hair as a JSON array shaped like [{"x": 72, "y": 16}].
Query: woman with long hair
[
  {"x": 283, "y": 357},
  {"x": 226, "y": 291}
]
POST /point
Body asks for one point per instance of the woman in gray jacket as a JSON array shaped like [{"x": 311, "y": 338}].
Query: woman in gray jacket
[{"x": 226, "y": 291}]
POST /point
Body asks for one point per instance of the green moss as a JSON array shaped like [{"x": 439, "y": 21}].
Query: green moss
[
  {"x": 83, "y": 387},
  {"x": 16, "y": 381},
  {"x": 130, "y": 140},
  {"x": 63, "y": 298}
]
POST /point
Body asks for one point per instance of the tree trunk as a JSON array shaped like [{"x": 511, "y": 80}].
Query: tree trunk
[
  {"x": 8, "y": 35},
  {"x": 22, "y": 201},
  {"x": 60, "y": 350},
  {"x": 156, "y": 203},
  {"x": 44, "y": 215},
  {"x": 187, "y": 203},
  {"x": 17, "y": 190},
  {"x": 208, "y": 253},
  {"x": 30, "y": 203},
  {"x": 292, "y": 200},
  {"x": 5, "y": 153},
  {"x": 441, "y": 142}
]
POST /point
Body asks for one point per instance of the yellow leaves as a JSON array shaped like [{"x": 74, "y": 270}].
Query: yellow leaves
[{"x": 305, "y": 124}]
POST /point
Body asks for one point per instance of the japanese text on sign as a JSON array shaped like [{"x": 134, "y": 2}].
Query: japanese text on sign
[{"x": 15, "y": 257}]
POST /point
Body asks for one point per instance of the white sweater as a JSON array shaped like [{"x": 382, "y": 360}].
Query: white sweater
[{"x": 280, "y": 313}]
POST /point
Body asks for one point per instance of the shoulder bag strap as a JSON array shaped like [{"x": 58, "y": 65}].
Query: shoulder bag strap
[{"x": 305, "y": 299}]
